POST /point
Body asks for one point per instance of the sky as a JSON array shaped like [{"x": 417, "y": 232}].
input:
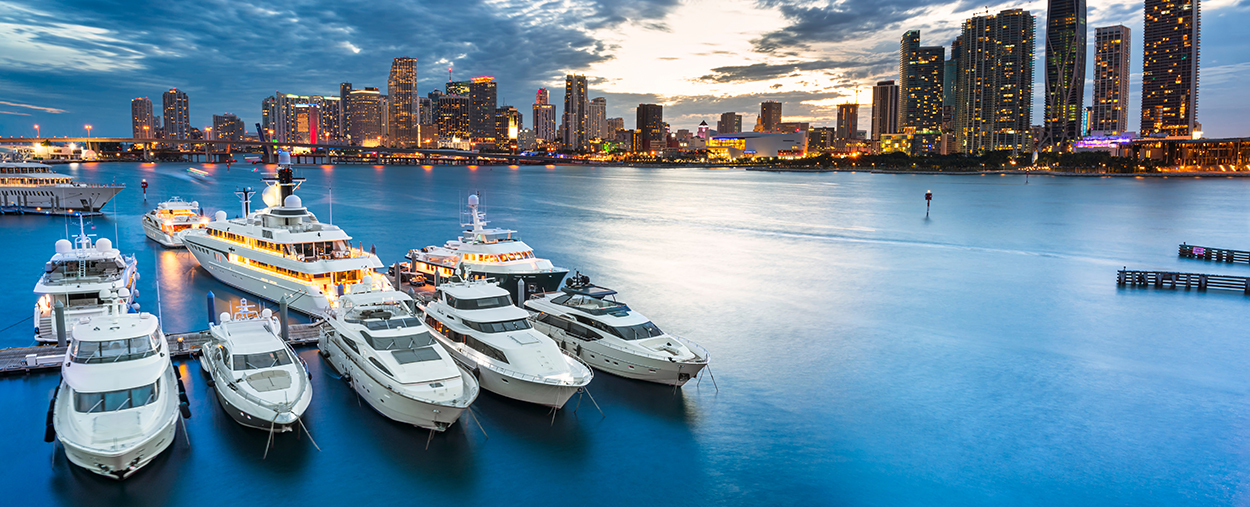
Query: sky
[{"x": 69, "y": 63}]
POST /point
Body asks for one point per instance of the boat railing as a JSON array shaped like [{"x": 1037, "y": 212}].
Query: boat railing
[
  {"x": 278, "y": 408},
  {"x": 699, "y": 351},
  {"x": 462, "y": 401},
  {"x": 695, "y": 347}
]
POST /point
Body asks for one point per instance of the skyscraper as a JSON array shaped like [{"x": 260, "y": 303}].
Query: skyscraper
[
  {"x": 596, "y": 117},
  {"x": 544, "y": 117},
  {"x": 425, "y": 111},
  {"x": 848, "y": 121},
  {"x": 401, "y": 86},
  {"x": 920, "y": 72},
  {"x": 1169, "y": 96},
  {"x": 176, "y": 109},
  {"x": 1112, "y": 47},
  {"x": 884, "y": 109},
  {"x": 508, "y": 123},
  {"x": 994, "y": 95},
  {"x": 729, "y": 123},
  {"x": 345, "y": 117},
  {"x": 364, "y": 107},
  {"x": 614, "y": 125},
  {"x": 141, "y": 117},
  {"x": 575, "y": 112},
  {"x": 453, "y": 116},
  {"x": 1065, "y": 71},
  {"x": 650, "y": 123},
  {"x": 227, "y": 127},
  {"x": 770, "y": 115},
  {"x": 266, "y": 117},
  {"x": 330, "y": 110},
  {"x": 483, "y": 101}
]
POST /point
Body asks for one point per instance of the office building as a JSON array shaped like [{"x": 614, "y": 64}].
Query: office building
[
  {"x": 1169, "y": 97},
  {"x": 994, "y": 89},
  {"x": 508, "y": 123},
  {"x": 650, "y": 123},
  {"x": 453, "y": 117},
  {"x": 576, "y": 112},
  {"x": 596, "y": 118},
  {"x": 1065, "y": 72},
  {"x": 614, "y": 125},
  {"x": 544, "y": 117},
  {"x": 729, "y": 123},
  {"x": 884, "y": 109},
  {"x": 483, "y": 101},
  {"x": 142, "y": 123},
  {"x": 770, "y": 116},
  {"x": 176, "y": 109},
  {"x": 227, "y": 127},
  {"x": 920, "y": 73},
  {"x": 848, "y": 121},
  {"x": 401, "y": 87},
  {"x": 1112, "y": 50},
  {"x": 364, "y": 108}
]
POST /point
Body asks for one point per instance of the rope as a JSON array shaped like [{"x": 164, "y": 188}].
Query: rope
[{"x": 28, "y": 317}]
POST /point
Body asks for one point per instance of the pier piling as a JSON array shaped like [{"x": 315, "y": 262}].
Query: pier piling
[{"x": 59, "y": 310}]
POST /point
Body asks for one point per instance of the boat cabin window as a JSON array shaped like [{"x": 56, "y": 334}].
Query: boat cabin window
[
  {"x": 499, "y": 327},
  {"x": 115, "y": 350},
  {"x": 472, "y": 342},
  {"x": 395, "y": 323},
  {"x": 410, "y": 341},
  {"x": 572, "y": 328},
  {"x": 262, "y": 360},
  {"x": 115, "y": 400},
  {"x": 479, "y": 303},
  {"x": 415, "y": 355},
  {"x": 638, "y": 332},
  {"x": 378, "y": 364}
]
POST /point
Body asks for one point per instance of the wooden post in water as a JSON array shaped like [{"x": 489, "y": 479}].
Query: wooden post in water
[
  {"x": 212, "y": 308},
  {"x": 286, "y": 329},
  {"x": 59, "y": 310}
]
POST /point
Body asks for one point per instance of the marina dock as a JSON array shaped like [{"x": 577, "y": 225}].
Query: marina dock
[
  {"x": 1213, "y": 254},
  {"x": 1176, "y": 280}
]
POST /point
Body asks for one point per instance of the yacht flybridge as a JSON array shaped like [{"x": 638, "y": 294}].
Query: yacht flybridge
[
  {"x": 377, "y": 342},
  {"x": 74, "y": 276},
  {"x": 163, "y": 224},
  {"x": 488, "y": 253},
  {"x": 587, "y": 320},
  {"x": 283, "y": 251},
  {"x": 118, "y": 402},
  {"x": 476, "y": 321}
]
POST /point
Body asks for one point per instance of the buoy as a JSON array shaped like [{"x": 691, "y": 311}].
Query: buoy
[{"x": 928, "y": 198}]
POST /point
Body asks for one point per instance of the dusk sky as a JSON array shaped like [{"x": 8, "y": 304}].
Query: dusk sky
[{"x": 68, "y": 63}]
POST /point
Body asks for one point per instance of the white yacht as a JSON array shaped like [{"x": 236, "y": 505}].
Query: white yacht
[
  {"x": 493, "y": 253},
  {"x": 587, "y": 321},
  {"x": 31, "y": 187},
  {"x": 163, "y": 224},
  {"x": 283, "y": 250},
  {"x": 117, "y": 405},
  {"x": 75, "y": 275},
  {"x": 378, "y": 342},
  {"x": 476, "y": 321},
  {"x": 260, "y": 381}
]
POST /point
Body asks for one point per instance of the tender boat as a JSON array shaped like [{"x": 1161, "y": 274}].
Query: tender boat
[
  {"x": 118, "y": 401},
  {"x": 30, "y": 187},
  {"x": 377, "y": 341},
  {"x": 587, "y": 321},
  {"x": 163, "y": 224},
  {"x": 283, "y": 251},
  {"x": 476, "y": 321},
  {"x": 74, "y": 276},
  {"x": 484, "y": 253},
  {"x": 260, "y": 381}
]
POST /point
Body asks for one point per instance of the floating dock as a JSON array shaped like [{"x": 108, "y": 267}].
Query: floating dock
[
  {"x": 1176, "y": 280},
  {"x": 1207, "y": 253}
]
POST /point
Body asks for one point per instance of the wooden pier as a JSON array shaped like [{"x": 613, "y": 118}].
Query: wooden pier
[
  {"x": 44, "y": 358},
  {"x": 1214, "y": 254},
  {"x": 1175, "y": 280}
]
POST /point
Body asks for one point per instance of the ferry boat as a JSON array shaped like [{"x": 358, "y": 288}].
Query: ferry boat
[
  {"x": 75, "y": 275},
  {"x": 283, "y": 251},
  {"x": 379, "y": 344},
  {"x": 118, "y": 402},
  {"x": 31, "y": 187},
  {"x": 163, "y": 224},
  {"x": 476, "y": 321},
  {"x": 493, "y": 253},
  {"x": 589, "y": 322},
  {"x": 259, "y": 380}
]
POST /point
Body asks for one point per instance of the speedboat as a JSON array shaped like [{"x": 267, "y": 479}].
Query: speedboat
[
  {"x": 483, "y": 253},
  {"x": 75, "y": 276},
  {"x": 378, "y": 342},
  {"x": 260, "y": 381},
  {"x": 163, "y": 224},
  {"x": 476, "y": 321},
  {"x": 118, "y": 401},
  {"x": 589, "y": 322}
]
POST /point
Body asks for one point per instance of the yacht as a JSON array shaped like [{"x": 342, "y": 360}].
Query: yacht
[
  {"x": 118, "y": 401},
  {"x": 587, "y": 321},
  {"x": 260, "y": 381},
  {"x": 31, "y": 187},
  {"x": 483, "y": 253},
  {"x": 163, "y": 224},
  {"x": 378, "y": 342},
  {"x": 75, "y": 275},
  {"x": 283, "y": 251},
  {"x": 476, "y": 321}
]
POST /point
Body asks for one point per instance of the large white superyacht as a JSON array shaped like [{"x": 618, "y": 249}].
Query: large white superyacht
[
  {"x": 74, "y": 276},
  {"x": 31, "y": 187},
  {"x": 283, "y": 251},
  {"x": 171, "y": 217}
]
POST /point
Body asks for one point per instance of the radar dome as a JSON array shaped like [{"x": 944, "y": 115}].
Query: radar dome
[
  {"x": 219, "y": 216},
  {"x": 292, "y": 201},
  {"x": 224, "y": 317},
  {"x": 266, "y": 314},
  {"x": 284, "y": 157},
  {"x": 368, "y": 281},
  {"x": 123, "y": 292},
  {"x": 195, "y": 204},
  {"x": 473, "y": 201},
  {"x": 103, "y": 244},
  {"x": 63, "y": 246}
]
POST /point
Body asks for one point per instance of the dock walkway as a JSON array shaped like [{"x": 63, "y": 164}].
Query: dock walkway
[
  {"x": 1207, "y": 253},
  {"x": 1176, "y": 280}
]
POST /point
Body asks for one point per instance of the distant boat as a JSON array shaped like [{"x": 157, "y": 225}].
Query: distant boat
[
  {"x": 28, "y": 187},
  {"x": 199, "y": 174}
]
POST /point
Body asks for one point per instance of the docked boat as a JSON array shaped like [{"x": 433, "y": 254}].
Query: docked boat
[
  {"x": 476, "y": 321},
  {"x": 283, "y": 251},
  {"x": 260, "y": 381},
  {"x": 377, "y": 341},
  {"x": 163, "y": 224},
  {"x": 493, "y": 253},
  {"x": 589, "y": 322},
  {"x": 118, "y": 402},
  {"x": 75, "y": 275},
  {"x": 31, "y": 187}
]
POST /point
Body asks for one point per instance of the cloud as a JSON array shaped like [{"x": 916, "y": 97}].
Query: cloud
[
  {"x": 763, "y": 71},
  {"x": 14, "y": 113},
  {"x": 52, "y": 110}
]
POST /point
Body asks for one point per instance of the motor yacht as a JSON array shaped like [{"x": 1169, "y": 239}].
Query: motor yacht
[
  {"x": 260, "y": 381},
  {"x": 476, "y": 321},
  {"x": 75, "y": 275},
  {"x": 587, "y": 321},
  {"x": 494, "y": 253},
  {"x": 117, "y": 404},
  {"x": 31, "y": 187},
  {"x": 163, "y": 224},
  {"x": 377, "y": 341}
]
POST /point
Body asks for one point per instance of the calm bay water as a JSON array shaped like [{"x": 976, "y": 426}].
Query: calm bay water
[{"x": 865, "y": 354}]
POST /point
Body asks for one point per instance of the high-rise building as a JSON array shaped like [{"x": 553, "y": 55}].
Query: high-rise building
[
  {"x": 425, "y": 111},
  {"x": 614, "y": 124},
  {"x": 458, "y": 88},
  {"x": 884, "y": 109},
  {"x": 848, "y": 121},
  {"x": 330, "y": 110},
  {"x": 227, "y": 127},
  {"x": 920, "y": 72},
  {"x": 483, "y": 101},
  {"x": 576, "y": 112},
  {"x": 266, "y": 117},
  {"x": 770, "y": 115},
  {"x": 544, "y": 117},
  {"x": 729, "y": 123},
  {"x": 508, "y": 123},
  {"x": 364, "y": 108},
  {"x": 1169, "y": 96},
  {"x": 994, "y": 95},
  {"x": 142, "y": 123},
  {"x": 345, "y": 118},
  {"x": 176, "y": 109},
  {"x": 401, "y": 86},
  {"x": 596, "y": 116},
  {"x": 650, "y": 123},
  {"x": 453, "y": 116},
  {"x": 1065, "y": 72},
  {"x": 1112, "y": 47}
]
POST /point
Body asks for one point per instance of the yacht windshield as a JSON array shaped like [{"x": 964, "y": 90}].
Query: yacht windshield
[
  {"x": 115, "y": 400},
  {"x": 638, "y": 332},
  {"x": 395, "y": 323},
  {"x": 115, "y": 350},
  {"x": 410, "y": 341},
  {"x": 262, "y": 360},
  {"x": 499, "y": 327},
  {"x": 480, "y": 303}
]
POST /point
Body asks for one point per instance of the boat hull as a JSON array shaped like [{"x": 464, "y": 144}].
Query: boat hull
[
  {"x": 508, "y": 386},
  {"x": 154, "y": 233},
  {"x": 254, "y": 282},
  {"x": 122, "y": 463},
  {"x": 621, "y": 363},
  {"x": 69, "y": 199}
]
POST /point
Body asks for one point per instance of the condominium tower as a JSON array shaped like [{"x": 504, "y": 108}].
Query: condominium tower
[
  {"x": 1065, "y": 72},
  {"x": 1112, "y": 46},
  {"x": 920, "y": 70},
  {"x": 770, "y": 115},
  {"x": 576, "y": 112},
  {"x": 729, "y": 123},
  {"x": 994, "y": 89},
  {"x": 544, "y": 117},
  {"x": 176, "y": 109},
  {"x": 142, "y": 123},
  {"x": 884, "y": 109},
  {"x": 1169, "y": 97},
  {"x": 401, "y": 86}
]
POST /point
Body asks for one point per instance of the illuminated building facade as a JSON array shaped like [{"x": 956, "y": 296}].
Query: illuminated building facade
[
  {"x": 884, "y": 109},
  {"x": 453, "y": 117},
  {"x": 576, "y": 112},
  {"x": 1065, "y": 72},
  {"x": 770, "y": 116},
  {"x": 544, "y": 117},
  {"x": 650, "y": 123},
  {"x": 176, "y": 109},
  {"x": 758, "y": 144},
  {"x": 227, "y": 127},
  {"x": 994, "y": 89},
  {"x": 1169, "y": 97},
  {"x": 364, "y": 108},
  {"x": 920, "y": 72},
  {"x": 508, "y": 123},
  {"x": 848, "y": 121},
  {"x": 142, "y": 123},
  {"x": 483, "y": 101},
  {"x": 729, "y": 123},
  {"x": 596, "y": 118},
  {"x": 401, "y": 87},
  {"x": 1112, "y": 51},
  {"x": 614, "y": 125}
]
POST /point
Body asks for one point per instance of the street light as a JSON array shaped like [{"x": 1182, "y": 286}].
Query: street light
[
  {"x": 37, "y": 131},
  {"x": 88, "y": 127}
]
